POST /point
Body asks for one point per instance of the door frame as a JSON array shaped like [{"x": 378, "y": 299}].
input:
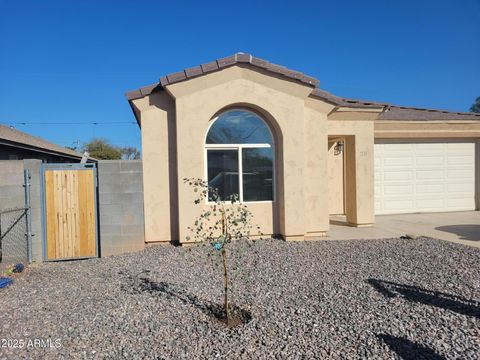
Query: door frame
[
  {"x": 67, "y": 166},
  {"x": 335, "y": 140}
]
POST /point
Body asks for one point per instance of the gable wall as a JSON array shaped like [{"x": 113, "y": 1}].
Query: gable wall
[{"x": 174, "y": 125}]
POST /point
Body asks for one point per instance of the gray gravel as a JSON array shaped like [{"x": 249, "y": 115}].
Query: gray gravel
[{"x": 327, "y": 299}]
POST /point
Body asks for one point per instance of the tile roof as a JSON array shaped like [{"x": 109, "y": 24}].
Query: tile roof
[
  {"x": 392, "y": 112},
  {"x": 345, "y": 102},
  {"x": 15, "y": 136},
  {"x": 238, "y": 58}
]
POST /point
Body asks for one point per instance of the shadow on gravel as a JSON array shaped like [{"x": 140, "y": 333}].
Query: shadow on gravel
[
  {"x": 408, "y": 350},
  {"x": 142, "y": 284},
  {"x": 434, "y": 298}
]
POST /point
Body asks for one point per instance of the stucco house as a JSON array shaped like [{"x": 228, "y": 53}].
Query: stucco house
[{"x": 296, "y": 153}]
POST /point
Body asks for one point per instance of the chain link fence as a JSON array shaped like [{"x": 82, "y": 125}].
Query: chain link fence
[{"x": 14, "y": 244}]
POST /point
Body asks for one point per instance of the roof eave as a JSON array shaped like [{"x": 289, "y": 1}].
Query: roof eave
[{"x": 41, "y": 150}]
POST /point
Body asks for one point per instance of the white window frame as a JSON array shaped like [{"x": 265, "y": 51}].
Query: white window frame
[{"x": 239, "y": 148}]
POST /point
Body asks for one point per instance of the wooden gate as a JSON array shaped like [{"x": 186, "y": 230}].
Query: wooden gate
[{"x": 70, "y": 211}]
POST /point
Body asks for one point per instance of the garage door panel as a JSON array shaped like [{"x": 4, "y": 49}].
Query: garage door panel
[
  {"x": 468, "y": 188},
  {"x": 429, "y": 174},
  {"x": 424, "y": 176},
  {"x": 397, "y": 175},
  {"x": 397, "y": 147},
  {"x": 429, "y": 188},
  {"x": 400, "y": 205},
  {"x": 430, "y": 160},
  {"x": 432, "y": 204},
  {"x": 459, "y": 146},
  {"x": 398, "y": 161},
  {"x": 397, "y": 189},
  {"x": 460, "y": 173},
  {"x": 434, "y": 148},
  {"x": 460, "y": 160},
  {"x": 460, "y": 203}
]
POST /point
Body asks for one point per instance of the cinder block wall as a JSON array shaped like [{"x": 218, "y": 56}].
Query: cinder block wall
[
  {"x": 120, "y": 206},
  {"x": 12, "y": 193}
]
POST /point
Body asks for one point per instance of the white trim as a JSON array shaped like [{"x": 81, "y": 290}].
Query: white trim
[
  {"x": 239, "y": 148},
  {"x": 236, "y": 146},
  {"x": 240, "y": 174}
]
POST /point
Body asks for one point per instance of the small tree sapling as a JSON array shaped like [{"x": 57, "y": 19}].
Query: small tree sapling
[{"x": 222, "y": 221}]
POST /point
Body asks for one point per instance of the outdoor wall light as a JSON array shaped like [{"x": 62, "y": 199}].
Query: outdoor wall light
[{"x": 339, "y": 147}]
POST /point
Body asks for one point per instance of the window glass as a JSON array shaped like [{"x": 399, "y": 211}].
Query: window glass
[
  {"x": 239, "y": 127},
  {"x": 223, "y": 172},
  {"x": 257, "y": 176}
]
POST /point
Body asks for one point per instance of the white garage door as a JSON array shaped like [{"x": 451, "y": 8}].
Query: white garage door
[{"x": 424, "y": 177}]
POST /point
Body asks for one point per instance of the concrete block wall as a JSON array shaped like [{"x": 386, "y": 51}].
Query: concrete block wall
[
  {"x": 120, "y": 206},
  {"x": 12, "y": 193}
]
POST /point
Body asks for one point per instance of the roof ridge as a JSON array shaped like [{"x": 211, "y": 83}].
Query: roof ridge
[{"x": 218, "y": 64}]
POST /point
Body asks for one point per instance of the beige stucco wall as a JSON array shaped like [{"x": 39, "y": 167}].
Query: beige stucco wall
[
  {"x": 157, "y": 116},
  {"x": 316, "y": 168},
  {"x": 336, "y": 186},
  {"x": 427, "y": 129},
  {"x": 359, "y": 167},
  {"x": 281, "y": 103},
  {"x": 174, "y": 125}
]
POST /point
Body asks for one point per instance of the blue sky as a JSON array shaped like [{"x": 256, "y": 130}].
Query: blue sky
[{"x": 72, "y": 61}]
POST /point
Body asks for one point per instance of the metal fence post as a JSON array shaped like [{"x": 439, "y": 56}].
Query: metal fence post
[{"x": 28, "y": 214}]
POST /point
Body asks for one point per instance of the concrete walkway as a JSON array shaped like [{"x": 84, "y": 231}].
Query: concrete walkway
[{"x": 459, "y": 227}]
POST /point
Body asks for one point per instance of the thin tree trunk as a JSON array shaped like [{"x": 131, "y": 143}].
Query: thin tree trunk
[{"x": 225, "y": 285}]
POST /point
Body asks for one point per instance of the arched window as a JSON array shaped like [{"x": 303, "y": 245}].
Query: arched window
[{"x": 239, "y": 151}]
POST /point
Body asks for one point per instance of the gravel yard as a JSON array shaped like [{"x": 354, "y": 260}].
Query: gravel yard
[{"x": 380, "y": 299}]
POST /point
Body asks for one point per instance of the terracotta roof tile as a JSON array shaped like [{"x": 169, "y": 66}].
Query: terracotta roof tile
[
  {"x": 239, "y": 58},
  {"x": 227, "y": 61},
  {"x": 146, "y": 90},
  {"x": 210, "y": 66},
  {"x": 176, "y": 77},
  {"x": 134, "y": 94},
  {"x": 345, "y": 102},
  {"x": 392, "y": 112},
  {"x": 193, "y": 71},
  {"x": 259, "y": 62},
  {"x": 164, "y": 81},
  {"x": 417, "y": 114}
]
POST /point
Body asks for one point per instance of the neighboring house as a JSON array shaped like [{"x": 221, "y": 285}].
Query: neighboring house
[
  {"x": 294, "y": 152},
  {"x": 17, "y": 145}
]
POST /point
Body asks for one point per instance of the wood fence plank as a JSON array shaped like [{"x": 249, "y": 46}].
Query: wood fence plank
[
  {"x": 70, "y": 213},
  {"x": 75, "y": 219},
  {"x": 51, "y": 215}
]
